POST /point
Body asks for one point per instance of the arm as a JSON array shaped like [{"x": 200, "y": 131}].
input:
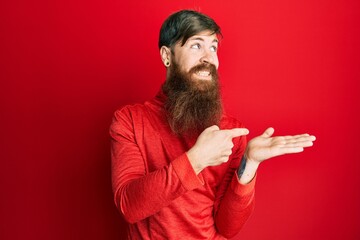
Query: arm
[
  {"x": 234, "y": 202},
  {"x": 139, "y": 194}
]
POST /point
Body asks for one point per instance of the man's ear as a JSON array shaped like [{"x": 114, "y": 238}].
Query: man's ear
[{"x": 165, "y": 54}]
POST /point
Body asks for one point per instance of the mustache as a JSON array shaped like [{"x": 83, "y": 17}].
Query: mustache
[{"x": 204, "y": 67}]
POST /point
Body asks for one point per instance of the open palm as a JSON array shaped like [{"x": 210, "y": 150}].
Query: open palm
[{"x": 264, "y": 146}]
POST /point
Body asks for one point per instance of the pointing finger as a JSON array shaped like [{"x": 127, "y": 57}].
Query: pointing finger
[{"x": 237, "y": 132}]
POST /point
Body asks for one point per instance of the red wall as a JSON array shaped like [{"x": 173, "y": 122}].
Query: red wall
[{"x": 67, "y": 65}]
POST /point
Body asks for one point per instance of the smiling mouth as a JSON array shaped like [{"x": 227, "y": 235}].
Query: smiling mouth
[
  {"x": 205, "y": 75},
  {"x": 204, "y": 72}
]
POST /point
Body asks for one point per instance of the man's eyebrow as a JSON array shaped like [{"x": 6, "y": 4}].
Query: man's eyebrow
[{"x": 201, "y": 39}]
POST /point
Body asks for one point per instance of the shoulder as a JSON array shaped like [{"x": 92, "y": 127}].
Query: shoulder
[
  {"x": 125, "y": 120},
  {"x": 129, "y": 111},
  {"x": 126, "y": 117},
  {"x": 138, "y": 110}
]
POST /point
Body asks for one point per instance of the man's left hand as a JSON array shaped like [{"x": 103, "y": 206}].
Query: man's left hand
[{"x": 264, "y": 146}]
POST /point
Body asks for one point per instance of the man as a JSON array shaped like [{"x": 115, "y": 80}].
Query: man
[{"x": 181, "y": 168}]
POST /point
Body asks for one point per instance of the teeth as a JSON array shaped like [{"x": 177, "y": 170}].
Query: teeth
[{"x": 203, "y": 73}]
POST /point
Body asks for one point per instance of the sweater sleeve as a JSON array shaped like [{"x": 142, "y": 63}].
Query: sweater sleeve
[
  {"x": 234, "y": 201},
  {"x": 137, "y": 193}
]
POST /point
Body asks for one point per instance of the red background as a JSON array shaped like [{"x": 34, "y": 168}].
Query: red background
[{"x": 67, "y": 65}]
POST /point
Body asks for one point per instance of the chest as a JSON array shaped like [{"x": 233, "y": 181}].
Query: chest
[{"x": 159, "y": 147}]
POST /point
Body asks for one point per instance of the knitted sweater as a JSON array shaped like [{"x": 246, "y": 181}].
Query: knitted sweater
[{"x": 156, "y": 189}]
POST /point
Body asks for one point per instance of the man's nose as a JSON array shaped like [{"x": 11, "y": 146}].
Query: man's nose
[{"x": 207, "y": 57}]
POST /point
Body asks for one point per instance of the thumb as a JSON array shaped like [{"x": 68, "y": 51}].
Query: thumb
[
  {"x": 237, "y": 132},
  {"x": 212, "y": 128},
  {"x": 268, "y": 132}
]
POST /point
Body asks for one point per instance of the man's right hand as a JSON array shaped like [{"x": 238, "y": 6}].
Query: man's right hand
[{"x": 213, "y": 147}]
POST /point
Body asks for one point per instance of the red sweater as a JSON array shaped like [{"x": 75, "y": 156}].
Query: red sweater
[{"x": 156, "y": 189}]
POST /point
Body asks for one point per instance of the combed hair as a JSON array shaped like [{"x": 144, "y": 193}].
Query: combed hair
[{"x": 184, "y": 24}]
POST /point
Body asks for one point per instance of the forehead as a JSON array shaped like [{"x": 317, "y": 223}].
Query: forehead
[{"x": 207, "y": 36}]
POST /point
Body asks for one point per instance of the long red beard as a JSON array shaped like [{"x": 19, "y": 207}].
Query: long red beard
[{"x": 192, "y": 105}]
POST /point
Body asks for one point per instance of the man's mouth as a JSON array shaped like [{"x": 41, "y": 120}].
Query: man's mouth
[{"x": 203, "y": 73}]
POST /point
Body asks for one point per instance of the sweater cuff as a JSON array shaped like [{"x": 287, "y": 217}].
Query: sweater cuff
[
  {"x": 242, "y": 189},
  {"x": 186, "y": 173}
]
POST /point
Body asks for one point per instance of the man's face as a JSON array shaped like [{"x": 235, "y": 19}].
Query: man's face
[
  {"x": 198, "y": 49},
  {"x": 192, "y": 89}
]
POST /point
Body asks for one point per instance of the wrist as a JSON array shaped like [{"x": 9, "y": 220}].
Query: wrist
[
  {"x": 249, "y": 171},
  {"x": 252, "y": 164},
  {"x": 242, "y": 166},
  {"x": 193, "y": 159}
]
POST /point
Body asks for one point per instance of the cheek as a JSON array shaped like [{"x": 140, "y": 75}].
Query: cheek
[
  {"x": 216, "y": 62},
  {"x": 185, "y": 63},
  {"x": 190, "y": 63}
]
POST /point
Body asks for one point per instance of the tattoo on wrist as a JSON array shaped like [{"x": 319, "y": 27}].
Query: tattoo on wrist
[{"x": 242, "y": 166}]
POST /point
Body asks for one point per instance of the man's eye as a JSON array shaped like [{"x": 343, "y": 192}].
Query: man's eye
[
  {"x": 195, "y": 46},
  {"x": 213, "y": 49}
]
